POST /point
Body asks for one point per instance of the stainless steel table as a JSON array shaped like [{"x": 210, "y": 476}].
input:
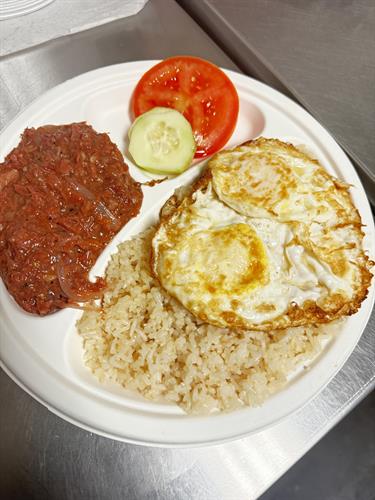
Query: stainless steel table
[
  {"x": 320, "y": 53},
  {"x": 43, "y": 456}
]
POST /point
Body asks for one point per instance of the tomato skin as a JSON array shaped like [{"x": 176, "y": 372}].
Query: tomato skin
[{"x": 199, "y": 90}]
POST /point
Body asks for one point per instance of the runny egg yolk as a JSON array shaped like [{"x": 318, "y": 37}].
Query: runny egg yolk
[{"x": 230, "y": 260}]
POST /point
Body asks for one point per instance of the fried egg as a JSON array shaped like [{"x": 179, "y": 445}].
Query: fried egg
[{"x": 265, "y": 239}]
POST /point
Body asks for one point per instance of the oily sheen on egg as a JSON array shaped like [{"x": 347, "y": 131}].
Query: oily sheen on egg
[{"x": 265, "y": 239}]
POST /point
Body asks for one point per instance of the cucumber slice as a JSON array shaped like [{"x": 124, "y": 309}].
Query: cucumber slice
[{"x": 162, "y": 141}]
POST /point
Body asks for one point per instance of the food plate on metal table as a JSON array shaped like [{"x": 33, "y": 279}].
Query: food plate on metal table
[{"x": 45, "y": 354}]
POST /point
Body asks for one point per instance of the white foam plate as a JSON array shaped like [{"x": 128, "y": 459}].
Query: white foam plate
[{"x": 44, "y": 355}]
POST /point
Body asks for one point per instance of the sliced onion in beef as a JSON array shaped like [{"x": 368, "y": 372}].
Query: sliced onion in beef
[
  {"x": 90, "y": 196},
  {"x": 105, "y": 211},
  {"x": 86, "y": 193},
  {"x": 66, "y": 287}
]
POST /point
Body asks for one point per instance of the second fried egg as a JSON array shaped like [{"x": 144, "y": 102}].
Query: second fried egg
[
  {"x": 265, "y": 239},
  {"x": 231, "y": 270}
]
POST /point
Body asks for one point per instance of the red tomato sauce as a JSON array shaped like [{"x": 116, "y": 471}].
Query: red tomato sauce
[{"x": 65, "y": 191}]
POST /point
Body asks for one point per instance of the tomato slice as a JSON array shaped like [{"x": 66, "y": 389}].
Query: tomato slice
[{"x": 199, "y": 90}]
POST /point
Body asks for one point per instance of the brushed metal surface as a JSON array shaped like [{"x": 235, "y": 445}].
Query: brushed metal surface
[
  {"x": 43, "y": 456},
  {"x": 320, "y": 52},
  {"x": 64, "y": 18}
]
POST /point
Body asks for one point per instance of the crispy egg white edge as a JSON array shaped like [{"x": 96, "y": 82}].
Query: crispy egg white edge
[{"x": 219, "y": 210}]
